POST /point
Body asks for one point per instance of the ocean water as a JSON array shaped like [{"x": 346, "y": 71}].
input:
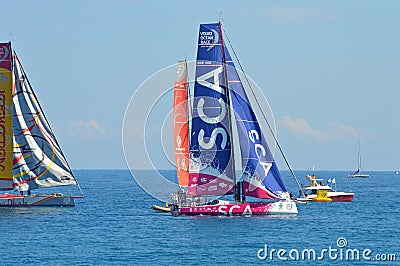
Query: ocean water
[{"x": 114, "y": 225}]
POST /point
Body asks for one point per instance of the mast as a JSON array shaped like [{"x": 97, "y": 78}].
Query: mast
[
  {"x": 189, "y": 109},
  {"x": 228, "y": 102},
  {"x": 359, "y": 156}
]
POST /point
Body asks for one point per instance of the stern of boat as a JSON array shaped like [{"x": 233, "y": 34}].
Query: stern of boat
[
  {"x": 174, "y": 209},
  {"x": 283, "y": 207}
]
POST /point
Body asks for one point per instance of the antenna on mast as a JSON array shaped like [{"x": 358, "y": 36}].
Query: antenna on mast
[
  {"x": 220, "y": 16},
  {"x": 10, "y": 38}
]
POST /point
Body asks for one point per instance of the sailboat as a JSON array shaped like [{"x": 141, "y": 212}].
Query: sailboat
[
  {"x": 358, "y": 173},
  {"x": 203, "y": 135},
  {"x": 30, "y": 156}
]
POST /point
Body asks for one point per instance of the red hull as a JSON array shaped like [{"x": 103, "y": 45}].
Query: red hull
[{"x": 342, "y": 198}]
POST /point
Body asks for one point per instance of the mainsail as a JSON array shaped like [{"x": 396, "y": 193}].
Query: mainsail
[
  {"x": 37, "y": 157},
  {"x": 180, "y": 124},
  {"x": 211, "y": 166}
]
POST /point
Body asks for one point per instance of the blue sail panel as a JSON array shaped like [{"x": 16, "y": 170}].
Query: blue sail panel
[
  {"x": 261, "y": 176},
  {"x": 211, "y": 168}
]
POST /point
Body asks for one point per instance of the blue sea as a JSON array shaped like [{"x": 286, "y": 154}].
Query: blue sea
[{"x": 115, "y": 225}]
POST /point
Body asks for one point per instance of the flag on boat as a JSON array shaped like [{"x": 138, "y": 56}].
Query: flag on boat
[{"x": 333, "y": 181}]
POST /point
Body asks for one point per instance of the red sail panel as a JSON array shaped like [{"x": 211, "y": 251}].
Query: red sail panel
[
  {"x": 6, "y": 134},
  {"x": 180, "y": 124}
]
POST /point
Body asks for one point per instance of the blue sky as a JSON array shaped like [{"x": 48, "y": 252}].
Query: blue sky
[{"x": 329, "y": 69}]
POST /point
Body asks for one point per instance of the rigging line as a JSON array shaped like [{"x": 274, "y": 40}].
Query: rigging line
[{"x": 265, "y": 118}]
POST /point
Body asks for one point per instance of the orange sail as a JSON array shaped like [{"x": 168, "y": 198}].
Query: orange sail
[{"x": 181, "y": 124}]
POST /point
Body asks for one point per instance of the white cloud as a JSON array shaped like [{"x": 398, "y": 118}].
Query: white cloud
[
  {"x": 334, "y": 131},
  {"x": 296, "y": 14},
  {"x": 341, "y": 131},
  {"x": 90, "y": 129},
  {"x": 301, "y": 127}
]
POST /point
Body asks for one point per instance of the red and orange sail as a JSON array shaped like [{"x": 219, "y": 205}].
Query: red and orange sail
[{"x": 181, "y": 124}]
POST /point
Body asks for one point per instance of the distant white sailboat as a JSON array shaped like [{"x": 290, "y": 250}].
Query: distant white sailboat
[{"x": 358, "y": 173}]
